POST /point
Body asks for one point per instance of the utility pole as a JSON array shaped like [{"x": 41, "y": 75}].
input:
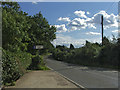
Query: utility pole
[{"x": 102, "y": 27}]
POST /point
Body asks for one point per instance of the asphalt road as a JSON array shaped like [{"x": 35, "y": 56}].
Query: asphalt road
[{"x": 86, "y": 76}]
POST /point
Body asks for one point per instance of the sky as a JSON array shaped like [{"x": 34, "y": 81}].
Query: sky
[
  {"x": 64, "y": 0},
  {"x": 77, "y": 22}
]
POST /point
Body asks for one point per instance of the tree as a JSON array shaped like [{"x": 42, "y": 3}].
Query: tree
[
  {"x": 106, "y": 41},
  {"x": 118, "y": 41},
  {"x": 19, "y": 33},
  {"x": 71, "y": 46},
  {"x": 87, "y": 43},
  {"x": 24, "y": 31},
  {"x": 40, "y": 32},
  {"x": 14, "y": 27}
]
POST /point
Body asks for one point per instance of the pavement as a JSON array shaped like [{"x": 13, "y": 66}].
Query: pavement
[
  {"x": 87, "y": 77},
  {"x": 43, "y": 79}
]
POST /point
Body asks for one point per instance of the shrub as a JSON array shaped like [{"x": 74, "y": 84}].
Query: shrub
[
  {"x": 14, "y": 65},
  {"x": 91, "y": 54},
  {"x": 24, "y": 59},
  {"x": 37, "y": 63},
  {"x": 10, "y": 68}
]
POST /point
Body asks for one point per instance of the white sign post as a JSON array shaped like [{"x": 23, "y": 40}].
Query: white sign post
[{"x": 38, "y": 47}]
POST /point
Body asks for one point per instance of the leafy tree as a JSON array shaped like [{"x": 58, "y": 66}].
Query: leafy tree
[
  {"x": 20, "y": 33},
  {"x": 118, "y": 41},
  {"x": 92, "y": 54},
  {"x": 106, "y": 41},
  {"x": 71, "y": 46},
  {"x": 24, "y": 31},
  {"x": 40, "y": 32},
  {"x": 14, "y": 27}
]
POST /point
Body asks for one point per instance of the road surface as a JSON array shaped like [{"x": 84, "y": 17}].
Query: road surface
[{"x": 88, "y": 77}]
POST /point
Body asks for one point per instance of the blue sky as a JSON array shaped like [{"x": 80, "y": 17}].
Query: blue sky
[{"x": 77, "y": 22}]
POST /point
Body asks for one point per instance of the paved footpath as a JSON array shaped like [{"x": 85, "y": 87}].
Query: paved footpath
[{"x": 43, "y": 79}]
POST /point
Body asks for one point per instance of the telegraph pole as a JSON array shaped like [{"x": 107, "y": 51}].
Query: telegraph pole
[{"x": 102, "y": 27}]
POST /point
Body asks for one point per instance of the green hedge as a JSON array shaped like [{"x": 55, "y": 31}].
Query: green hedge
[
  {"x": 14, "y": 65},
  {"x": 37, "y": 63},
  {"x": 92, "y": 54}
]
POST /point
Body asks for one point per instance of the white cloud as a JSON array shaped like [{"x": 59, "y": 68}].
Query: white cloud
[
  {"x": 83, "y": 22},
  {"x": 91, "y": 26},
  {"x": 61, "y": 28},
  {"x": 116, "y": 31},
  {"x": 88, "y": 12},
  {"x": 80, "y": 13},
  {"x": 73, "y": 28},
  {"x": 66, "y": 19},
  {"x": 67, "y": 40},
  {"x": 77, "y": 23},
  {"x": 93, "y": 33},
  {"x": 34, "y": 2},
  {"x": 41, "y": 0},
  {"x": 109, "y": 20}
]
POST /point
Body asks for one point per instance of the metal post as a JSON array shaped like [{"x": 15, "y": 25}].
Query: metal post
[{"x": 102, "y": 27}]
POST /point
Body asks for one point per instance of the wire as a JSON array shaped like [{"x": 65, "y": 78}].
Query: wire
[{"x": 111, "y": 6}]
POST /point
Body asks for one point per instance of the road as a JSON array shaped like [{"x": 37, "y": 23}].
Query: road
[{"x": 88, "y": 77}]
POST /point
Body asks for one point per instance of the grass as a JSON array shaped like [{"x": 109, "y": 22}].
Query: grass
[
  {"x": 10, "y": 84},
  {"x": 43, "y": 67}
]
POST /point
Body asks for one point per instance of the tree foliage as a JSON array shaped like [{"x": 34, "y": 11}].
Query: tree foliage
[
  {"x": 20, "y": 32},
  {"x": 71, "y": 46},
  {"x": 92, "y": 54}
]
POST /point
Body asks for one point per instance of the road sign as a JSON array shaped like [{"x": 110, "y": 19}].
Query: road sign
[{"x": 38, "y": 47}]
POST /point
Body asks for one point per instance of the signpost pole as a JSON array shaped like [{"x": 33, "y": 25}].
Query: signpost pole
[{"x": 102, "y": 27}]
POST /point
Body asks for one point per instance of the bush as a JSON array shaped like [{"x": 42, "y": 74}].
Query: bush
[
  {"x": 24, "y": 59},
  {"x": 14, "y": 65},
  {"x": 37, "y": 63},
  {"x": 10, "y": 68},
  {"x": 92, "y": 54}
]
